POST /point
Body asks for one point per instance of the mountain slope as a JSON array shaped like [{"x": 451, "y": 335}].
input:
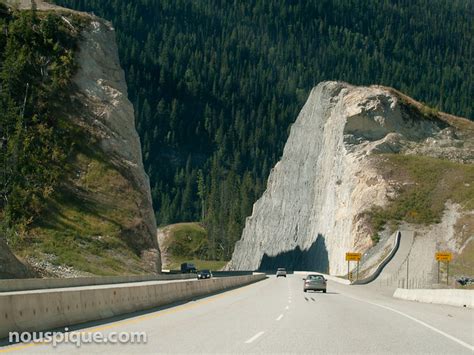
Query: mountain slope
[
  {"x": 359, "y": 162},
  {"x": 216, "y": 84},
  {"x": 94, "y": 215}
]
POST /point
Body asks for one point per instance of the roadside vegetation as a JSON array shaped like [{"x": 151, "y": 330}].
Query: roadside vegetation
[
  {"x": 36, "y": 67},
  {"x": 84, "y": 225},
  {"x": 428, "y": 183},
  {"x": 62, "y": 202},
  {"x": 187, "y": 242}
]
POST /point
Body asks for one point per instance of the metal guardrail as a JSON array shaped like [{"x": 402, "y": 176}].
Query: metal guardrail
[{"x": 382, "y": 265}]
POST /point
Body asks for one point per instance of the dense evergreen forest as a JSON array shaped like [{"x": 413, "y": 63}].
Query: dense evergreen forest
[{"x": 216, "y": 84}]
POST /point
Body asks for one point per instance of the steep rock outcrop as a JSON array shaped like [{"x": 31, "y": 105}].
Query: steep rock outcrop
[
  {"x": 312, "y": 211},
  {"x": 108, "y": 115},
  {"x": 101, "y": 219}
]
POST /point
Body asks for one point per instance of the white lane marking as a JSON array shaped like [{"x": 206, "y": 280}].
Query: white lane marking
[
  {"x": 289, "y": 301},
  {"x": 280, "y": 317},
  {"x": 287, "y": 307},
  {"x": 256, "y": 336},
  {"x": 436, "y": 330}
]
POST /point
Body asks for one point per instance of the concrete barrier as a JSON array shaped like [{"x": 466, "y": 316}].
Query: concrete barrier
[
  {"x": 382, "y": 264},
  {"x": 48, "y": 309},
  {"x": 231, "y": 273},
  {"x": 459, "y": 298},
  {"x": 10, "y": 285}
]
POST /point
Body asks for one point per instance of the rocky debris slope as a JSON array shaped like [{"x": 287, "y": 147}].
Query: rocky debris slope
[{"x": 313, "y": 210}]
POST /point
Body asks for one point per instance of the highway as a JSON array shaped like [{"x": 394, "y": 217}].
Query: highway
[{"x": 276, "y": 316}]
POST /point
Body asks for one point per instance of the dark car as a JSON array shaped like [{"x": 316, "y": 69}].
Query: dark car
[
  {"x": 204, "y": 274},
  {"x": 314, "y": 282},
  {"x": 187, "y": 268}
]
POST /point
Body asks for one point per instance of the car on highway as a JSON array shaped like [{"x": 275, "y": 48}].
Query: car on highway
[
  {"x": 281, "y": 271},
  {"x": 187, "y": 268},
  {"x": 204, "y": 274},
  {"x": 314, "y": 282}
]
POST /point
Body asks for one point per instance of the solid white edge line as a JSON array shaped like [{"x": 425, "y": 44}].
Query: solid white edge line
[
  {"x": 259, "y": 334},
  {"x": 280, "y": 317},
  {"x": 436, "y": 330}
]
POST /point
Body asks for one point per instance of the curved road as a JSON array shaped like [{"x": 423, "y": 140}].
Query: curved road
[{"x": 275, "y": 316}]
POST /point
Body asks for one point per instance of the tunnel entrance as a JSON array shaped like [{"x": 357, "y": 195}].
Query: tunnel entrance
[{"x": 315, "y": 258}]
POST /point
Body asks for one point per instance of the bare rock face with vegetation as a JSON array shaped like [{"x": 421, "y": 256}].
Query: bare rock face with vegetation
[
  {"x": 76, "y": 199},
  {"x": 358, "y": 162}
]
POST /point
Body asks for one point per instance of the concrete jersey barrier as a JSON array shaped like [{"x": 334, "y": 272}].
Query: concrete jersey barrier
[
  {"x": 48, "y": 309},
  {"x": 382, "y": 265},
  {"x": 10, "y": 285},
  {"x": 458, "y": 298}
]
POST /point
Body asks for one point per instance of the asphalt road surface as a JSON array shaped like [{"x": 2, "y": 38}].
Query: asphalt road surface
[{"x": 276, "y": 316}]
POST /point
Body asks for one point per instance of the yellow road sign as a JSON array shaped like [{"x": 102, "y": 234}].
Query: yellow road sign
[
  {"x": 353, "y": 256},
  {"x": 443, "y": 256}
]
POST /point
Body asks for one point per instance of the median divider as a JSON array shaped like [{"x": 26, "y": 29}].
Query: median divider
[
  {"x": 10, "y": 285},
  {"x": 54, "y": 308}
]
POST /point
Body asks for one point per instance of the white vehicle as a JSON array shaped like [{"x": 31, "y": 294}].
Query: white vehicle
[{"x": 281, "y": 271}]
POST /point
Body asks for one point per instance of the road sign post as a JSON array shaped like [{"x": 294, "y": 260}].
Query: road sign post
[
  {"x": 447, "y": 273},
  {"x": 438, "y": 271},
  {"x": 357, "y": 277},
  {"x": 352, "y": 257},
  {"x": 445, "y": 257},
  {"x": 348, "y": 272}
]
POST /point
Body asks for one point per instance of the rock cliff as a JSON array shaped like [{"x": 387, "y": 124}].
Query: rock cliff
[
  {"x": 100, "y": 220},
  {"x": 316, "y": 204},
  {"x": 108, "y": 116}
]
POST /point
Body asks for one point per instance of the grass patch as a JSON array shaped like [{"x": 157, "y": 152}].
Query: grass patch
[
  {"x": 188, "y": 242},
  {"x": 83, "y": 221},
  {"x": 428, "y": 184}
]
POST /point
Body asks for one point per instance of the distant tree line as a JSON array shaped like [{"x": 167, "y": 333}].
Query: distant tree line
[{"x": 216, "y": 84}]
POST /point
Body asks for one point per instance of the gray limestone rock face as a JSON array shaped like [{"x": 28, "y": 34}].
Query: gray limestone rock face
[
  {"x": 109, "y": 116},
  {"x": 311, "y": 212}
]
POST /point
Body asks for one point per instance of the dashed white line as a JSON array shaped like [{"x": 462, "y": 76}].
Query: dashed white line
[
  {"x": 287, "y": 307},
  {"x": 280, "y": 317},
  {"x": 255, "y": 337}
]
